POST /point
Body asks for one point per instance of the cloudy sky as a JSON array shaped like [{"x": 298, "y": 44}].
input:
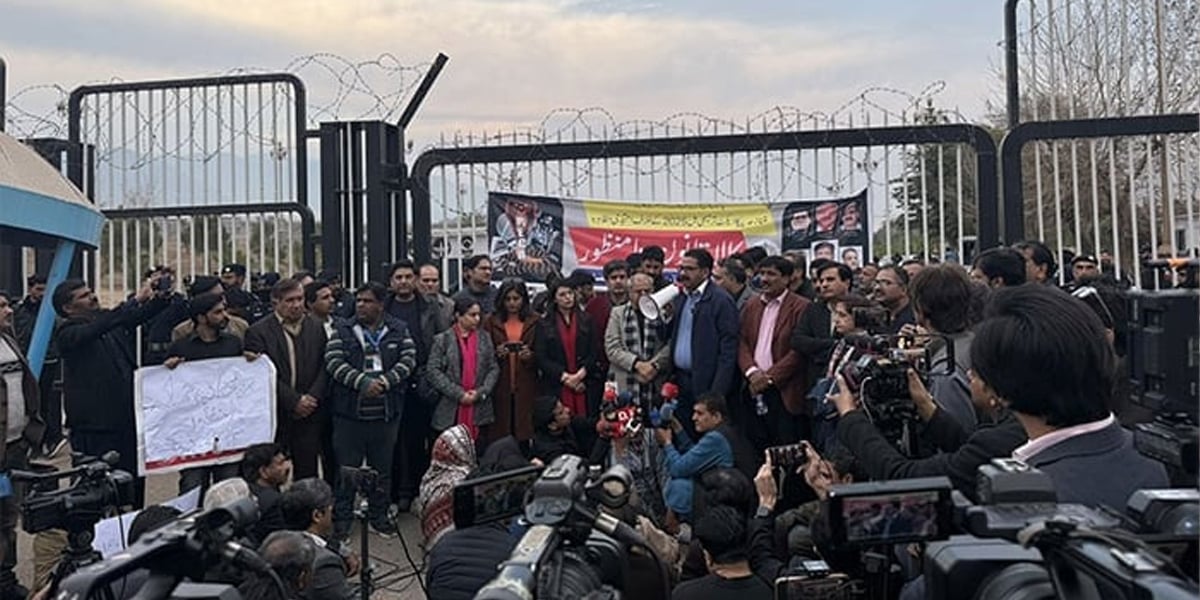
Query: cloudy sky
[{"x": 515, "y": 61}]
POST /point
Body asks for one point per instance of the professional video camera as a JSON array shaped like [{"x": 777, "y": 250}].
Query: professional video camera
[
  {"x": 98, "y": 489},
  {"x": 1164, "y": 348},
  {"x": 1023, "y": 544},
  {"x": 572, "y": 550},
  {"x": 185, "y": 548},
  {"x": 875, "y": 368}
]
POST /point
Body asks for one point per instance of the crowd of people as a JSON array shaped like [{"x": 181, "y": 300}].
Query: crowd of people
[{"x": 430, "y": 389}]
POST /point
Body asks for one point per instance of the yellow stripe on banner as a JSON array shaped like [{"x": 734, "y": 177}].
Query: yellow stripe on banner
[{"x": 752, "y": 219}]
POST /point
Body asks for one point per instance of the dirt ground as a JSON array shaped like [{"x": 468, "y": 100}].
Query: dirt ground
[{"x": 393, "y": 573}]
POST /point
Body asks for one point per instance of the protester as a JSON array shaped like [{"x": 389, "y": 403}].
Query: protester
[
  {"x": 600, "y": 307},
  {"x": 812, "y": 339},
  {"x": 704, "y": 336},
  {"x": 25, "y": 313},
  {"x": 370, "y": 362},
  {"x": 463, "y": 373},
  {"x": 565, "y": 353},
  {"x": 513, "y": 329},
  {"x": 452, "y": 460},
  {"x": 731, "y": 275},
  {"x": 477, "y": 283},
  {"x": 98, "y": 364},
  {"x": 1040, "y": 266},
  {"x": 201, "y": 285},
  {"x": 209, "y": 339},
  {"x": 638, "y": 357},
  {"x": 429, "y": 282},
  {"x": 424, "y": 319},
  {"x": 318, "y": 299},
  {"x": 768, "y": 362},
  {"x": 654, "y": 259},
  {"x": 21, "y": 422},
  {"x": 295, "y": 344}
]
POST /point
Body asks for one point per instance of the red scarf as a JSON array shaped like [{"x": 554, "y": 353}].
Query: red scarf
[
  {"x": 468, "y": 349},
  {"x": 566, "y": 332}
]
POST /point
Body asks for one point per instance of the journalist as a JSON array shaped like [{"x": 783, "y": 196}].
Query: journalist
[
  {"x": 941, "y": 297},
  {"x": 962, "y": 452},
  {"x": 1045, "y": 356},
  {"x": 722, "y": 534}
]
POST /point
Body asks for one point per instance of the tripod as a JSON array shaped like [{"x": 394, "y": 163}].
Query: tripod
[{"x": 78, "y": 554}]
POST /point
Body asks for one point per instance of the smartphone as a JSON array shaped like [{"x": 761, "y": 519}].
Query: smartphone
[
  {"x": 790, "y": 456},
  {"x": 494, "y": 497}
]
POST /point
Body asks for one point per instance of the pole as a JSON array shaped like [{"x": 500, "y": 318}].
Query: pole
[
  {"x": 1011, "y": 78},
  {"x": 44, "y": 325}
]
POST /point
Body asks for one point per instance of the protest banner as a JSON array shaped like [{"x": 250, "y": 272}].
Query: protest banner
[
  {"x": 533, "y": 236},
  {"x": 202, "y": 412}
]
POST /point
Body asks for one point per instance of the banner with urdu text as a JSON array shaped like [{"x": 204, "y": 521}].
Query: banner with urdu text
[{"x": 532, "y": 236}]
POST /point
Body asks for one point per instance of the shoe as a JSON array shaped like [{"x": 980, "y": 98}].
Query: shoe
[{"x": 384, "y": 528}]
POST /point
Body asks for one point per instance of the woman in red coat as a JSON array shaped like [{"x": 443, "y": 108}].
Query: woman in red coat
[{"x": 512, "y": 327}]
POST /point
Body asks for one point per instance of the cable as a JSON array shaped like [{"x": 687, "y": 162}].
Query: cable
[{"x": 407, "y": 555}]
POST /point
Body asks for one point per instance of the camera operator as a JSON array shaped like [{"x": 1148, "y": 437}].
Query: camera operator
[
  {"x": 98, "y": 364},
  {"x": 22, "y": 425},
  {"x": 722, "y": 534},
  {"x": 962, "y": 452},
  {"x": 942, "y": 296},
  {"x": 307, "y": 507},
  {"x": 1045, "y": 355}
]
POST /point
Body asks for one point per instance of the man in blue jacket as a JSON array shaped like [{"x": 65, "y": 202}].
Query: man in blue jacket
[
  {"x": 704, "y": 335},
  {"x": 687, "y": 460},
  {"x": 370, "y": 360}
]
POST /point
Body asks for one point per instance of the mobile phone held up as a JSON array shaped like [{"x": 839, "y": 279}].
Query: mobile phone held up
[{"x": 790, "y": 456}]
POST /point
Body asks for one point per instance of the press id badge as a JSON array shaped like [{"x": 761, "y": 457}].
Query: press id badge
[{"x": 373, "y": 363}]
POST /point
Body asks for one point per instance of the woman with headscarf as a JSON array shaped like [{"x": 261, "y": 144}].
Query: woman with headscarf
[
  {"x": 462, "y": 373},
  {"x": 452, "y": 458},
  {"x": 513, "y": 327}
]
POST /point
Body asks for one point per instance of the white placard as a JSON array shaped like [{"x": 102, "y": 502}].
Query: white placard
[
  {"x": 111, "y": 533},
  {"x": 202, "y": 412}
]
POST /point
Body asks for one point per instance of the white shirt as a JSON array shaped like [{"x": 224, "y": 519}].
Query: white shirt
[{"x": 1034, "y": 446}]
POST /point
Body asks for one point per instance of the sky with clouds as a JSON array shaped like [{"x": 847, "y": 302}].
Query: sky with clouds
[{"x": 514, "y": 61}]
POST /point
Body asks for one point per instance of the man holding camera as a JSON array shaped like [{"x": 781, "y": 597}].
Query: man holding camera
[
  {"x": 98, "y": 364},
  {"x": 941, "y": 298}
]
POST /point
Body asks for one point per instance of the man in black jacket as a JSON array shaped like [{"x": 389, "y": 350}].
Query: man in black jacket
[
  {"x": 464, "y": 560},
  {"x": 266, "y": 467},
  {"x": 370, "y": 361},
  {"x": 962, "y": 452},
  {"x": 307, "y": 507},
  {"x": 813, "y": 337},
  {"x": 98, "y": 364},
  {"x": 424, "y": 319}
]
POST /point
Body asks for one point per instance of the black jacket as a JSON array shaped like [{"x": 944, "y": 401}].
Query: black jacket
[
  {"x": 98, "y": 363},
  {"x": 270, "y": 515},
  {"x": 552, "y": 359},
  {"x": 433, "y": 322},
  {"x": 344, "y": 360},
  {"x": 959, "y": 460},
  {"x": 814, "y": 342},
  {"x": 266, "y": 337},
  {"x": 464, "y": 560}
]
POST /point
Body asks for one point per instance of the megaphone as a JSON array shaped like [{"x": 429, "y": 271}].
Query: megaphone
[{"x": 652, "y": 306}]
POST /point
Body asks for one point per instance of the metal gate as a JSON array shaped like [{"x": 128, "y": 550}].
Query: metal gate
[
  {"x": 194, "y": 173},
  {"x": 931, "y": 188}
]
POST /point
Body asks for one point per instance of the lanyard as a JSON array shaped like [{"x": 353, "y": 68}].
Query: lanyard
[{"x": 370, "y": 342}]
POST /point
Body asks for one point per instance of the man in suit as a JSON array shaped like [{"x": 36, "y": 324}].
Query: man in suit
[
  {"x": 307, "y": 507},
  {"x": 98, "y": 363},
  {"x": 296, "y": 344},
  {"x": 704, "y": 334},
  {"x": 813, "y": 337},
  {"x": 767, "y": 360}
]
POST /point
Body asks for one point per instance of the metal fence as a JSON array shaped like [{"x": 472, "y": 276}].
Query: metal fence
[
  {"x": 1128, "y": 188},
  {"x": 194, "y": 173},
  {"x": 931, "y": 187}
]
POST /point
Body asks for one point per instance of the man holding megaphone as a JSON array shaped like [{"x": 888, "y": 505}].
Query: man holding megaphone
[{"x": 704, "y": 331}]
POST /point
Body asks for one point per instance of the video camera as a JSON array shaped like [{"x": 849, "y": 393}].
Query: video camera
[
  {"x": 98, "y": 488},
  {"x": 875, "y": 368},
  {"x": 1021, "y": 543},
  {"x": 185, "y": 548},
  {"x": 572, "y": 549}
]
